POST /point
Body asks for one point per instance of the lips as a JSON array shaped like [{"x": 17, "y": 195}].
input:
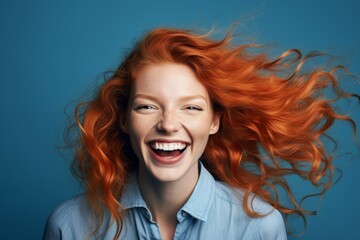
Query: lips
[{"x": 167, "y": 152}]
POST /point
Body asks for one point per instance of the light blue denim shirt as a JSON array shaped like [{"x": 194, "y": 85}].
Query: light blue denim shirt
[{"x": 213, "y": 211}]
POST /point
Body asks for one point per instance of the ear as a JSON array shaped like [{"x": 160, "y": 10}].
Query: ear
[
  {"x": 124, "y": 126},
  {"x": 215, "y": 124}
]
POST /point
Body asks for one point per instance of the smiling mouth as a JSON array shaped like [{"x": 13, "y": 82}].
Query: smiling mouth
[{"x": 168, "y": 149}]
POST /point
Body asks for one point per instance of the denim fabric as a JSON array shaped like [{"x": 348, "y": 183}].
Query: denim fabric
[{"x": 213, "y": 211}]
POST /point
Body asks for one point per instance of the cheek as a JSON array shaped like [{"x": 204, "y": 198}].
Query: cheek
[
  {"x": 200, "y": 126},
  {"x": 135, "y": 130},
  {"x": 135, "y": 143},
  {"x": 139, "y": 128}
]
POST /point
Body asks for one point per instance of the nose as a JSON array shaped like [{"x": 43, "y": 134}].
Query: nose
[{"x": 168, "y": 123}]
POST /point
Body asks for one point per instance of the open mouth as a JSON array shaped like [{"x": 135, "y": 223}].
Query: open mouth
[{"x": 168, "y": 149}]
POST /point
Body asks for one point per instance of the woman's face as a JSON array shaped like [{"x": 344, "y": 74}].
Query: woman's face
[{"x": 169, "y": 121}]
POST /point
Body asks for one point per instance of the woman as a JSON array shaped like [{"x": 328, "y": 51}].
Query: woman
[{"x": 191, "y": 138}]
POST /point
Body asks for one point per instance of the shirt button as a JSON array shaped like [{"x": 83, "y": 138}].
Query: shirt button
[{"x": 184, "y": 214}]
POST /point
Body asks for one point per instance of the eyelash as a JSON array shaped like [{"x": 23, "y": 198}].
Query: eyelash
[
  {"x": 144, "y": 107},
  {"x": 193, "y": 108},
  {"x": 149, "y": 107}
]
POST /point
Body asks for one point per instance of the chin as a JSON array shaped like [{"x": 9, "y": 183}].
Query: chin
[{"x": 172, "y": 173}]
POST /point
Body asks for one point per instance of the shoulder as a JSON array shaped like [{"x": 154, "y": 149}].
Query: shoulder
[
  {"x": 72, "y": 207},
  {"x": 235, "y": 196},
  {"x": 270, "y": 226},
  {"x": 61, "y": 221}
]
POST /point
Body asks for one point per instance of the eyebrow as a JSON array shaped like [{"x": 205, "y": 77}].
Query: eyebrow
[{"x": 186, "y": 98}]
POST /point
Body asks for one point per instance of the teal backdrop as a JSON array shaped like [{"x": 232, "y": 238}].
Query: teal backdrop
[{"x": 52, "y": 52}]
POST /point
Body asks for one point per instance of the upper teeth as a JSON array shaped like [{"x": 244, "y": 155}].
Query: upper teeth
[{"x": 168, "y": 146}]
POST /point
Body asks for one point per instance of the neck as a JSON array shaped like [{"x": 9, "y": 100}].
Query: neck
[{"x": 164, "y": 199}]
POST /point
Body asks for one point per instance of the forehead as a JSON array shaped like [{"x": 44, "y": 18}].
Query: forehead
[{"x": 168, "y": 80}]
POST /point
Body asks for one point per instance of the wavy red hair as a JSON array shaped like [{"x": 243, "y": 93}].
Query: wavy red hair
[{"x": 271, "y": 125}]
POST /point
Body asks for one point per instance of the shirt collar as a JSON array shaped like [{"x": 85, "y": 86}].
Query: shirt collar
[
  {"x": 131, "y": 197},
  {"x": 198, "y": 205},
  {"x": 200, "y": 201}
]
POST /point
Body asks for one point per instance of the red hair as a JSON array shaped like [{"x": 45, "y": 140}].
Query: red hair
[{"x": 270, "y": 124}]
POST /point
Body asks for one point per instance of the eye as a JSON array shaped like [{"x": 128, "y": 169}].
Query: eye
[
  {"x": 145, "y": 107},
  {"x": 192, "y": 107}
]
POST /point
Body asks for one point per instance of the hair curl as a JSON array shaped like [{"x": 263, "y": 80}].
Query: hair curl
[{"x": 271, "y": 124}]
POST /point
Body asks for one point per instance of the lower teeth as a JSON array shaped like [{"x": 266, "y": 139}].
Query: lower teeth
[{"x": 174, "y": 153}]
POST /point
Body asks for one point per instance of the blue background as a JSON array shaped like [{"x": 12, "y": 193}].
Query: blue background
[{"x": 52, "y": 52}]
